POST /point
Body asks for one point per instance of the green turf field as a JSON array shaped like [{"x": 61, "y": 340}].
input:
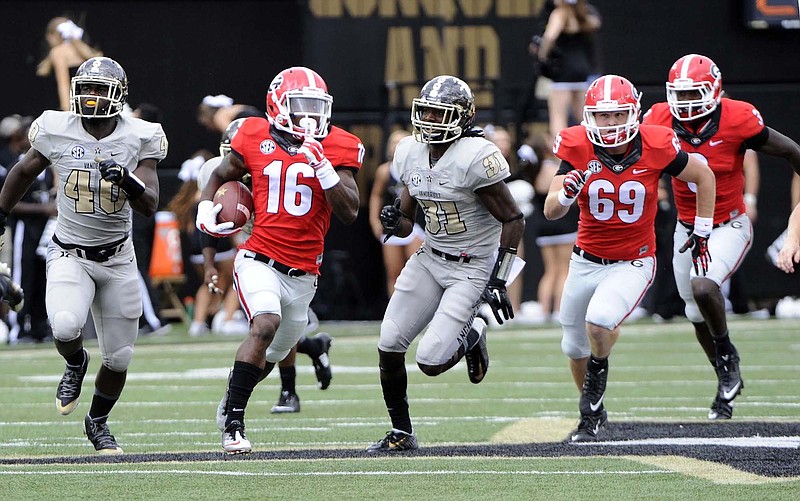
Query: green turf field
[{"x": 497, "y": 440}]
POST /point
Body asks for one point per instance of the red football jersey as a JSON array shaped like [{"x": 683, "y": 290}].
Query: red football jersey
[
  {"x": 619, "y": 202},
  {"x": 723, "y": 151},
  {"x": 292, "y": 214}
]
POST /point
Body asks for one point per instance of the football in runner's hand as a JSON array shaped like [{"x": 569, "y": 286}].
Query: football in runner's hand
[{"x": 237, "y": 203}]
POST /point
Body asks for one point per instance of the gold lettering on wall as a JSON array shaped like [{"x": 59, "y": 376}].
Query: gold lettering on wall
[
  {"x": 443, "y": 9},
  {"x": 400, "y": 66},
  {"x": 469, "y": 52},
  {"x": 408, "y": 8}
]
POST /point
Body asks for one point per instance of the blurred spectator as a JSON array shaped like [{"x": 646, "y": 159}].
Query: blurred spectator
[
  {"x": 28, "y": 221},
  {"x": 385, "y": 189},
  {"x": 184, "y": 206},
  {"x": 555, "y": 238},
  {"x": 567, "y": 57},
  {"x": 67, "y": 50},
  {"x": 143, "y": 234},
  {"x": 521, "y": 189},
  {"x": 13, "y": 140},
  {"x": 215, "y": 113}
]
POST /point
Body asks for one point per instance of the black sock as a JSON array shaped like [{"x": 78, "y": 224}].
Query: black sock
[
  {"x": 394, "y": 382},
  {"x": 101, "y": 407},
  {"x": 724, "y": 345},
  {"x": 76, "y": 359},
  {"x": 288, "y": 377},
  {"x": 596, "y": 365},
  {"x": 243, "y": 379},
  {"x": 266, "y": 370}
]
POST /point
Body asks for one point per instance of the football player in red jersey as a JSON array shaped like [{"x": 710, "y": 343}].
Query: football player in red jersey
[
  {"x": 611, "y": 166},
  {"x": 717, "y": 130},
  {"x": 302, "y": 169}
]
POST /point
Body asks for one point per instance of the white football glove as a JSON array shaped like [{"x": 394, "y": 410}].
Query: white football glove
[
  {"x": 315, "y": 157},
  {"x": 207, "y": 220}
]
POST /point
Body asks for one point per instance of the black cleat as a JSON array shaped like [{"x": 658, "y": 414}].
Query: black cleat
[
  {"x": 322, "y": 364},
  {"x": 102, "y": 439},
  {"x": 720, "y": 410},
  {"x": 395, "y": 441},
  {"x": 730, "y": 381},
  {"x": 589, "y": 426},
  {"x": 69, "y": 388},
  {"x": 593, "y": 393},
  {"x": 287, "y": 402},
  {"x": 477, "y": 357}
]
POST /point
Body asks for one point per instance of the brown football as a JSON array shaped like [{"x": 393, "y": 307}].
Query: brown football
[{"x": 237, "y": 203}]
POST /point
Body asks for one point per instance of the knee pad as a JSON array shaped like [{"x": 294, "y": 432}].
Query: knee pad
[
  {"x": 693, "y": 312},
  {"x": 604, "y": 317},
  {"x": 66, "y": 326},
  {"x": 575, "y": 345},
  {"x": 275, "y": 356},
  {"x": 119, "y": 359},
  {"x": 390, "y": 337}
]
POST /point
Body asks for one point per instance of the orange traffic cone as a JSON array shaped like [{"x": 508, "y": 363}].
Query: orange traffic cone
[{"x": 167, "y": 260}]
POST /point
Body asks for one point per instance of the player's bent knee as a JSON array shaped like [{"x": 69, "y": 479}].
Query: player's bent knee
[
  {"x": 603, "y": 318},
  {"x": 431, "y": 370},
  {"x": 390, "y": 337},
  {"x": 276, "y": 356},
  {"x": 66, "y": 326},
  {"x": 574, "y": 350},
  {"x": 120, "y": 359},
  {"x": 693, "y": 313}
]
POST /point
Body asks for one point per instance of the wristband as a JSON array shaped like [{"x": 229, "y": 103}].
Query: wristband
[
  {"x": 750, "y": 199},
  {"x": 564, "y": 200},
  {"x": 132, "y": 186},
  {"x": 327, "y": 175},
  {"x": 502, "y": 267},
  {"x": 703, "y": 226}
]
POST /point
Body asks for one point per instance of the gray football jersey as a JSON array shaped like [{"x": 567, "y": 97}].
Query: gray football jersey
[
  {"x": 92, "y": 211},
  {"x": 456, "y": 221}
]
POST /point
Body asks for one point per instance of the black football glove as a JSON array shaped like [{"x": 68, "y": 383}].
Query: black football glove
[
  {"x": 112, "y": 171},
  {"x": 700, "y": 255},
  {"x": 391, "y": 218},
  {"x": 116, "y": 174},
  {"x": 495, "y": 294}
]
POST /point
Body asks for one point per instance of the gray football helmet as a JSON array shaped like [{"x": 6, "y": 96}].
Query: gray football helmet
[
  {"x": 99, "y": 88},
  {"x": 444, "y": 110}
]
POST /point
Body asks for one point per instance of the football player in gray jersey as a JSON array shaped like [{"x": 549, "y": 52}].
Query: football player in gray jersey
[
  {"x": 472, "y": 229},
  {"x": 106, "y": 166}
]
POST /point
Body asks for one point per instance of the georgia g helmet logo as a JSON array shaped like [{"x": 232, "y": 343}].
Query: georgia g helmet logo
[{"x": 276, "y": 82}]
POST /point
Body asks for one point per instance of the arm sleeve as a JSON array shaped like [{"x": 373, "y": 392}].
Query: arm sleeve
[
  {"x": 757, "y": 141},
  {"x": 677, "y": 165},
  {"x": 564, "y": 168}
]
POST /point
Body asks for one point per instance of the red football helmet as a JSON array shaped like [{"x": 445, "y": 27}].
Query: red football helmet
[
  {"x": 610, "y": 94},
  {"x": 298, "y": 102},
  {"x": 699, "y": 76}
]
